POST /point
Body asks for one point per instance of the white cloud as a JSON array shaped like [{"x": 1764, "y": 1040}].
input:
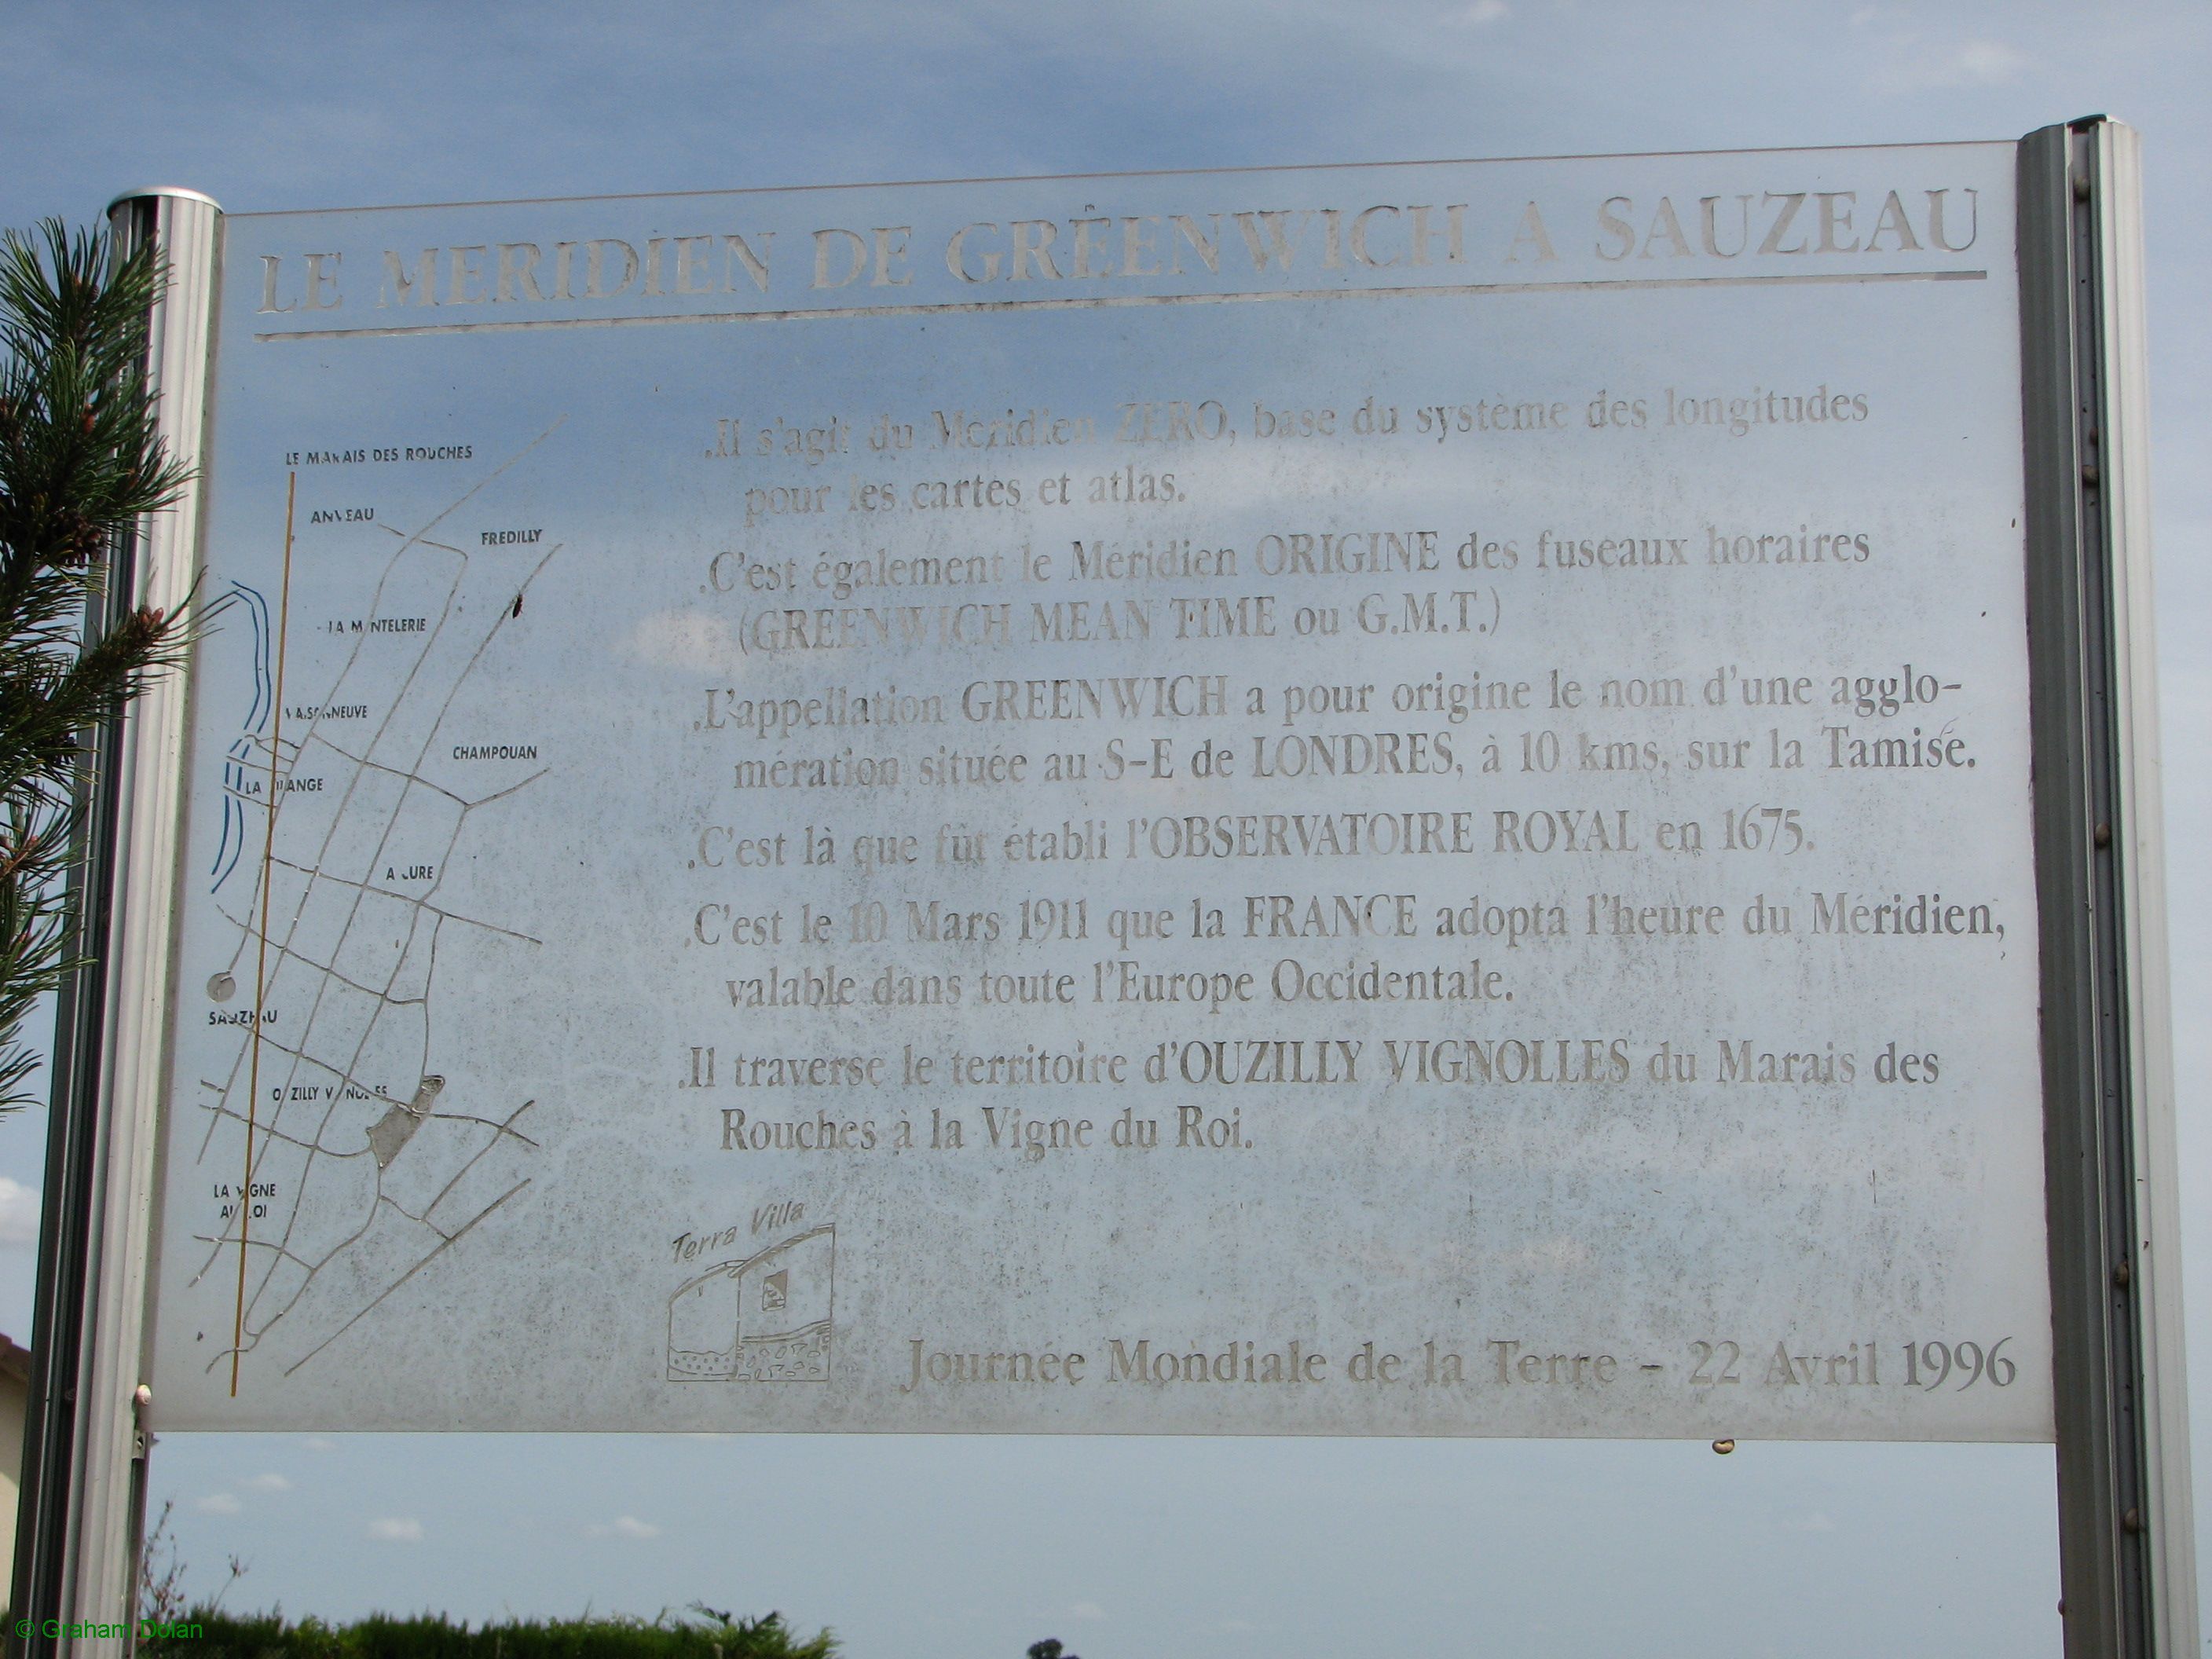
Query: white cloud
[
  {"x": 624, "y": 1526},
  {"x": 1989, "y": 63},
  {"x": 269, "y": 1482},
  {"x": 217, "y": 1502},
  {"x": 685, "y": 640},
  {"x": 1087, "y": 1610},
  {"x": 397, "y": 1530},
  {"x": 19, "y": 1213},
  {"x": 1918, "y": 64}
]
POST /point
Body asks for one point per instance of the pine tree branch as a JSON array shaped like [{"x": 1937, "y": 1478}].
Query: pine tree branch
[{"x": 81, "y": 465}]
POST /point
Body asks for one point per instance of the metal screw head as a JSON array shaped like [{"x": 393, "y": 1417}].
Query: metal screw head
[{"x": 1724, "y": 1446}]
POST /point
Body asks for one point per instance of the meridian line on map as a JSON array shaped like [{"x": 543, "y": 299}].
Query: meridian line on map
[{"x": 261, "y": 965}]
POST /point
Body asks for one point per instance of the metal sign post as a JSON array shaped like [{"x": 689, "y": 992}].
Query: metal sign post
[
  {"x": 84, "y": 1441},
  {"x": 2126, "y": 1535}
]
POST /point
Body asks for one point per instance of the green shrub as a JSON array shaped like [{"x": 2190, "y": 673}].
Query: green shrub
[{"x": 270, "y": 1636}]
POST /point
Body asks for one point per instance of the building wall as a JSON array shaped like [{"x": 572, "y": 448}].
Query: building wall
[{"x": 14, "y": 1395}]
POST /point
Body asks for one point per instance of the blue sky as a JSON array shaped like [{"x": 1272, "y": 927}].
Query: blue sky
[{"x": 1136, "y": 1546}]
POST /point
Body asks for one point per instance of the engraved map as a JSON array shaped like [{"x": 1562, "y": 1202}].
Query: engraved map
[{"x": 365, "y": 1163}]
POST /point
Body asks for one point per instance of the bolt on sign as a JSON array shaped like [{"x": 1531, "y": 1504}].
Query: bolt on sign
[{"x": 1388, "y": 799}]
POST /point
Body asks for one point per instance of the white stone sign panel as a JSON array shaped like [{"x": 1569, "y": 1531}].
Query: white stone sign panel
[{"x": 1385, "y": 799}]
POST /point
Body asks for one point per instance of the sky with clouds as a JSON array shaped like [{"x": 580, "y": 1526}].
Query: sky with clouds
[{"x": 1134, "y": 1547}]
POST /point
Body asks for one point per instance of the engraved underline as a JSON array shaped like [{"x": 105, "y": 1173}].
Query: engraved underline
[{"x": 1121, "y": 301}]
